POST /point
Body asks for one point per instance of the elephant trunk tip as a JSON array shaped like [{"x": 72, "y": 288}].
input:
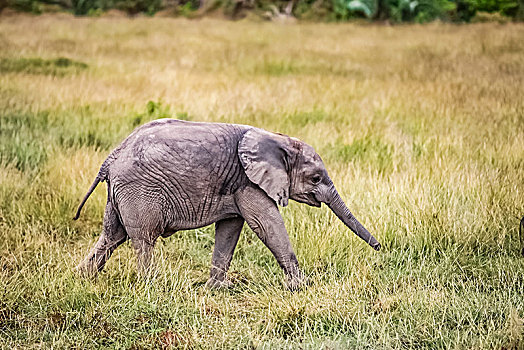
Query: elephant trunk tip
[{"x": 376, "y": 246}]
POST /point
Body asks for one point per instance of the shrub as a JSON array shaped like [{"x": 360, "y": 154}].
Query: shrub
[
  {"x": 505, "y": 7},
  {"x": 425, "y": 10},
  {"x": 393, "y": 10},
  {"x": 84, "y": 7}
]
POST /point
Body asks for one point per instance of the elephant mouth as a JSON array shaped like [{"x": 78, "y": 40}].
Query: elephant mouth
[{"x": 308, "y": 199}]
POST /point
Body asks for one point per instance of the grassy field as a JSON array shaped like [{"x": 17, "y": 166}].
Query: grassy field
[{"x": 421, "y": 129}]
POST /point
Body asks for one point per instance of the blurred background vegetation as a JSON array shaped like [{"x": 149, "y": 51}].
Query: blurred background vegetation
[{"x": 388, "y": 11}]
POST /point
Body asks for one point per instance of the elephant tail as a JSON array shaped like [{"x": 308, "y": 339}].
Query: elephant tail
[{"x": 91, "y": 189}]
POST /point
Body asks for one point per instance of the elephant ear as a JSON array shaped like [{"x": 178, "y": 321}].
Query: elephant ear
[{"x": 266, "y": 158}]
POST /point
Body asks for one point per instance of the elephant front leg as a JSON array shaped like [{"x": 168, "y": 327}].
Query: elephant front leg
[
  {"x": 227, "y": 233},
  {"x": 263, "y": 217}
]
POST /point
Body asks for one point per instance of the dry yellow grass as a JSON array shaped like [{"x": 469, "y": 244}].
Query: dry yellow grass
[{"x": 421, "y": 128}]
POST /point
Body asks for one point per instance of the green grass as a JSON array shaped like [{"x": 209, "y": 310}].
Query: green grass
[
  {"x": 420, "y": 127},
  {"x": 58, "y": 66}
]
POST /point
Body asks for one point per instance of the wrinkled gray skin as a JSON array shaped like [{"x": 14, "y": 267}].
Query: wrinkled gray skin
[{"x": 172, "y": 175}]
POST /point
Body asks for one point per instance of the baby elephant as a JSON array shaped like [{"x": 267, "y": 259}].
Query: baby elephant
[{"x": 172, "y": 175}]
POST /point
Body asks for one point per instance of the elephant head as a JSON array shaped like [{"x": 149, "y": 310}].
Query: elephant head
[{"x": 286, "y": 167}]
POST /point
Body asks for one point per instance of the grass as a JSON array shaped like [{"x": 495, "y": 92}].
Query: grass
[
  {"x": 58, "y": 66},
  {"x": 421, "y": 128}
]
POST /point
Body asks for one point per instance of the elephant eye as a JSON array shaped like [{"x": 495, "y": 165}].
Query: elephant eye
[{"x": 316, "y": 179}]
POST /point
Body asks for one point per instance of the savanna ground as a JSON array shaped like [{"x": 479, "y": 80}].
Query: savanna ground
[{"x": 421, "y": 129}]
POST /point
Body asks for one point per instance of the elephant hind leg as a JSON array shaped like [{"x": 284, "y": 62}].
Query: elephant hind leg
[
  {"x": 143, "y": 223},
  {"x": 113, "y": 234},
  {"x": 144, "y": 253}
]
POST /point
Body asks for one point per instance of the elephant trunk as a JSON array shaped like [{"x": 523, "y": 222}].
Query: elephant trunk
[{"x": 337, "y": 205}]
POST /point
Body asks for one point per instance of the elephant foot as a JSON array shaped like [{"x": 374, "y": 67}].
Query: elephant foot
[
  {"x": 87, "y": 271},
  {"x": 213, "y": 283},
  {"x": 298, "y": 283}
]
